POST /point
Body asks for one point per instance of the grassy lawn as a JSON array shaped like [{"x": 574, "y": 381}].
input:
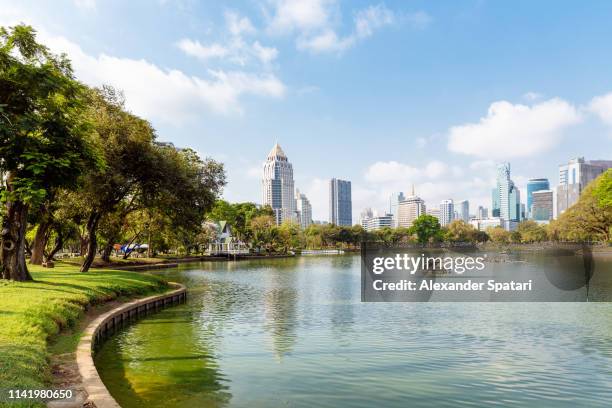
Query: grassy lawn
[{"x": 31, "y": 312}]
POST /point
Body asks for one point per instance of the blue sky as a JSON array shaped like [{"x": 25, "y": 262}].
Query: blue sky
[{"x": 385, "y": 94}]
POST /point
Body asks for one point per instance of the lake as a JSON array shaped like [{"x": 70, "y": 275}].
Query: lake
[{"x": 294, "y": 333}]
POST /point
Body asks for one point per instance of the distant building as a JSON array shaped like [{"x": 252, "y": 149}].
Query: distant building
[
  {"x": 447, "y": 212},
  {"x": 303, "y": 209},
  {"x": 410, "y": 209},
  {"x": 542, "y": 205},
  {"x": 340, "y": 203},
  {"x": 484, "y": 223},
  {"x": 224, "y": 242},
  {"x": 277, "y": 185},
  {"x": 378, "y": 222},
  {"x": 506, "y": 198},
  {"x": 533, "y": 185},
  {"x": 482, "y": 213},
  {"x": 434, "y": 212},
  {"x": 574, "y": 177},
  {"x": 365, "y": 215},
  {"x": 464, "y": 210},
  {"x": 394, "y": 201}
]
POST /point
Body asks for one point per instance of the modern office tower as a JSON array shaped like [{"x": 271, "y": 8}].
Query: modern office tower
[
  {"x": 303, "y": 209},
  {"x": 340, "y": 202},
  {"x": 523, "y": 212},
  {"x": 482, "y": 213},
  {"x": 434, "y": 212},
  {"x": 574, "y": 177},
  {"x": 394, "y": 201},
  {"x": 464, "y": 210},
  {"x": 447, "y": 212},
  {"x": 535, "y": 184},
  {"x": 507, "y": 197},
  {"x": 409, "y": 210},
  {"x": 277, "y": 185},
  {"x": 494, "y": 202},
  {"x": 378, "y": 222},
  {"x": 542, "y": 205}
]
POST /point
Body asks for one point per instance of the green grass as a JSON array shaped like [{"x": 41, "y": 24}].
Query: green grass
[{"x": 32, "y": 312}]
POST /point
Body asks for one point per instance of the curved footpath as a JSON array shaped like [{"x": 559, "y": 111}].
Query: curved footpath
[{"x": 97, "y": 331}]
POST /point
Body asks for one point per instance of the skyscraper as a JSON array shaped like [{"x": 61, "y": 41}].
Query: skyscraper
[
  {"x": 447, "y": 212},
  {"x": 303, "y": 209},
  {"x": 277, "y": 185},
  {"x": 340, "y": 202},
  {"x": 533, "y": 185},
  {"x": 394, "y": 201},
  {"x": 573, "y": 178},
  {"x": 542, "y": 205},
  {"x": 506, "y": 197},
  {"x": 464, "y": 210},
  {"x": 409, "y": 210},
  {"x": 482, "y": 212}
]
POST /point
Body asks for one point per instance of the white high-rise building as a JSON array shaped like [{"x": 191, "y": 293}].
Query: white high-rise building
[
  {"x": 506, "y": 198},
  {"x": 394, "y": 201},
  {"x": 434, "y": 212},
  {"x": 303, "y": 209},
  {"x": 277, "y": 185},
  {"x": 409, "y": 210},
  {"x": 447, "y": 212}
]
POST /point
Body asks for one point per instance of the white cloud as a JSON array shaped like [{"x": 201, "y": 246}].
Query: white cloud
[
  {"x": 167, "y": 94},
  {"x": 204, "y": 52},
  {"x": 421, "y": 142},
  {"x": 602, "y": 107},
  {"x": 532, "y": 96},
  {"x": 510, "y": 131},
  {"x": 235, "y": 49},
  {"x": 365, "y": 22},
  {"x": 264, "y": 54},
  {"x": 238, "y": 25},
  {"x": 300, "y": 15}
]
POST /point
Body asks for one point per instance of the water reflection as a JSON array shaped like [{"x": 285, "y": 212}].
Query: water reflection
[{"x": 293, "y": 332}]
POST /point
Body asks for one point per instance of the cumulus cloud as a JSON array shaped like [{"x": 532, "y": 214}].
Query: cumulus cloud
[
  {"x": 167, "y": 94},
  {"x": 511, "y": 131},
  {"x": 602, "y": 107},
  {"x": 204, "y": 52},
  {"x": 300, "y": 15},
  {"x": 238, "y": 25}
]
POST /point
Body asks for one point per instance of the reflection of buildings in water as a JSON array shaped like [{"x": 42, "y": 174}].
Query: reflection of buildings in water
[
  {"x": 342, "y": 311},
  {"x": 280, "y": 305}
]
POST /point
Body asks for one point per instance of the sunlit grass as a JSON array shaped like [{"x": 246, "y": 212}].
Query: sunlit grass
[{"x": 31, "y": 312}]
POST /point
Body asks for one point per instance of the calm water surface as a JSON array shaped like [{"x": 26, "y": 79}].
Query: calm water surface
[{"x": 293, "y": 333}]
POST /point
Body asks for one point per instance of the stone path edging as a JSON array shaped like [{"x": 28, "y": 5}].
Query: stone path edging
[{"x": 91, "y": 381}]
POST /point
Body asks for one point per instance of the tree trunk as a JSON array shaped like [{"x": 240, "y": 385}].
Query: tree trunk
[
  {"x": 59, "y": 243},
  {"x": 92, "y": 241},
  {"x": 40, "y": 242},
  {"x": 127, "y": 253},
  {"x": 13, "y": 242},
  {"x": 106, "y": 252}
]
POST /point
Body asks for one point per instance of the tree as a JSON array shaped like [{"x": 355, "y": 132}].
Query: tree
[
  {"x": 590, "y": 219},
  {"x": 290, "y": 236},
  {"x": 498, "y": 235},
  {"x": 427, "y": 229},
  {"x": 460, "y": 231},
  {"x": 44, "y": 136},
  {"x": 530, "y": 231},
  {"x": 263, "y": 231}
]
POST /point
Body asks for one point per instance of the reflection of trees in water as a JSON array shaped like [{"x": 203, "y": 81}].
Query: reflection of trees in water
[
  {"x": 280, "y": 308},
  {"x": 158, "y": 365},
  {"x": 342, "y": 310}
]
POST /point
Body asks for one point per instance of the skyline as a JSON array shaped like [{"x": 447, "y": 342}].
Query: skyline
[{"x": 434, "y": 101}]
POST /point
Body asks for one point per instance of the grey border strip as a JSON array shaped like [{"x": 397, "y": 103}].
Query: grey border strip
[{"x": 84, "y": 355}]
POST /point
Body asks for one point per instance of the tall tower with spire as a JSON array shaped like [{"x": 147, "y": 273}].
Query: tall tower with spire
[
  {"x": 410, "y": 209},
  {"x": 278, "y": 186}
]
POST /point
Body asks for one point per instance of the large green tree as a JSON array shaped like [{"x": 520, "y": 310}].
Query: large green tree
[
  {"x": 427, "y": 229},
  {"x": 43, "y": 135}
]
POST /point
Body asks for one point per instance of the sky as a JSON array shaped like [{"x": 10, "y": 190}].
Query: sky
[{"x": 385, "y": 94}]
